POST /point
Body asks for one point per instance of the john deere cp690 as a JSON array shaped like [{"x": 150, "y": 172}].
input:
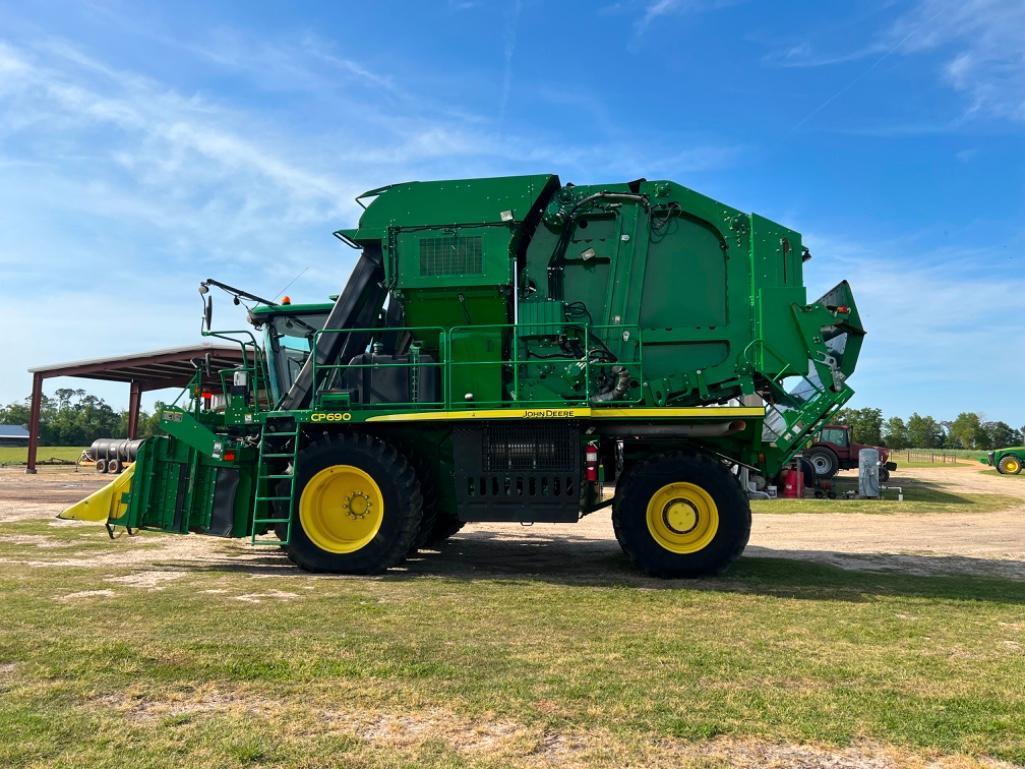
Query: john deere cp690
[{"x": 509, "y": 349}]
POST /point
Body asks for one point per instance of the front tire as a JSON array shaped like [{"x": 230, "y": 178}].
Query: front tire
[
  {"x": 358, "y": 506},
  {"x": 681, "y": 515},
  {"x": 1009, "y": 465}
]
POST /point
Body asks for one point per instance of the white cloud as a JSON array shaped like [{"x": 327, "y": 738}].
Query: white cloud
[
  {"x": 981, "y": 45},
  {"x": 654, "y": 11},
  {"x": 938, "y": 332},
  {"x": 983, "y": 42},
  {"x": 508, "y": 52},
  {"x": 118, "y": 192}
]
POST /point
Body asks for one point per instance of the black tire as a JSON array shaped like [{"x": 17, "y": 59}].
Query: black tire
[
  {"x": 400, "y": 491},
  {"x": 429, "y": 492},
  {"x": 640, "y": 484},
  {"x": 825, "y": 463},
  {"x": 884, "y": 475},
  {"x": 1009, "y": 465},
  {"x": 114, "y": 466},
  {"x": 446, "y": 525},
  {"x": 101, "y": 465}
]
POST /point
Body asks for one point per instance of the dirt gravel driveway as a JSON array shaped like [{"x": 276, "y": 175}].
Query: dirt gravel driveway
[{"x": 922, "y": 543}]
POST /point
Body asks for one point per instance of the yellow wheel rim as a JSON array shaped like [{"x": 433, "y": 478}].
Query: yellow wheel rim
[
  {"x": 682, "y": 517},
  {"x": 341, "y": 509},
  {"x": 1012, "y": 466}
]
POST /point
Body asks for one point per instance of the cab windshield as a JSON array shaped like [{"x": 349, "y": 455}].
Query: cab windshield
[{"x": 289, "y": 339}]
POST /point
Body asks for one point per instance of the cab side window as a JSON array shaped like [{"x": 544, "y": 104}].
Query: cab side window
[{"x": 836, "y": 437}]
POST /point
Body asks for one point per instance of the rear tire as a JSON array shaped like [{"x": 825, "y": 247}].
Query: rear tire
[
  {"x": 446, "y": 525},
  {"x": 681, "y": 515},
  {"x": 824, "y": 461},
  {"x": 1009, "y": 465},
  {"x": 429, "y": 516},
  {"x": 358, "y": 506}
]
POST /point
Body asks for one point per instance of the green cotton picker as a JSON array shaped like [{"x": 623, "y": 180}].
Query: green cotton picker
[{"x": 508, "y": 349}]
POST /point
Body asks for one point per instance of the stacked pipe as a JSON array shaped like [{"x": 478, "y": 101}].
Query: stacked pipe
[{"x": 109, "y": 455}]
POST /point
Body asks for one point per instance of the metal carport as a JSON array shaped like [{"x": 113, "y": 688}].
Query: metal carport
[{"x": 155, "y": 370}]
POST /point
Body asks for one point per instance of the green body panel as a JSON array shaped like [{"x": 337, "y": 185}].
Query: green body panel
[
  {"x": 612, "y": 304},
  {"x": 174, "y": 489},
  {"x": 993, "y": 458},
  {"x": 479, "y": 376},
  {"x": 442, "y": 204}
]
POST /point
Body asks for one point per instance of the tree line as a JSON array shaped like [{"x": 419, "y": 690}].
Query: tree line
[
  {"x": 968, "y": 431},
  {"x": 76, "y": 418}
]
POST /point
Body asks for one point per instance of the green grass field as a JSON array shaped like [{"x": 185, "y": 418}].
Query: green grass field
[
  {"x": 904, "y": 464},
  {"x": 241, "y": 661},
  {"x": 919, "y": 497},
  {"x": 18, "y": 455}
]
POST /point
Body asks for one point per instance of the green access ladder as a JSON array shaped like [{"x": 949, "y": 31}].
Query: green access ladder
[{"x": 266, "y": 508}]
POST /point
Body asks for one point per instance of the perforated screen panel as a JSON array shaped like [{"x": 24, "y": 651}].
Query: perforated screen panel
[{"x": 455, "y": 255}]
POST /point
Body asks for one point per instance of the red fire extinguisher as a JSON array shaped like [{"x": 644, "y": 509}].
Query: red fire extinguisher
[{"x": 793, "y": 482}]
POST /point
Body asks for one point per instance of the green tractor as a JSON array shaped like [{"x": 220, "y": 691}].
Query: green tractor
[
  {"x": 1007, "y": 461},
  {"x": 509, "y": 349}
]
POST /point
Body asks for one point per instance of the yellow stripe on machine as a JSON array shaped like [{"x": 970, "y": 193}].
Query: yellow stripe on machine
[
  {"x": 103, "y": 504},
  {"x": 696, "y": 412}
]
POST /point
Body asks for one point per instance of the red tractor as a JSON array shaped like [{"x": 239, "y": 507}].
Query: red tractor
[{"x": 832, "y": 450}]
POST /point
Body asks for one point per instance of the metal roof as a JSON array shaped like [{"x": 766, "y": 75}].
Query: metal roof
[
  {"x": 166, "y": 367},
  {"x": 13, "y": 431}
]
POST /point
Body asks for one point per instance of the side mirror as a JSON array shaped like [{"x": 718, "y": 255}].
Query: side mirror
[{"x": 208, "y": 311}]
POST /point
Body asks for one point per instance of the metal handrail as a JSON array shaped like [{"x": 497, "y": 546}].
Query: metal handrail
[
  {"x": 515, "y": 361},
  {"x": 251, "y": 350},
  {"x": 378, "y": 330}
]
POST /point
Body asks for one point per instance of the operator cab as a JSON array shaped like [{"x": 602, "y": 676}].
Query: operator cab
[{"x": 288, "y": 337}]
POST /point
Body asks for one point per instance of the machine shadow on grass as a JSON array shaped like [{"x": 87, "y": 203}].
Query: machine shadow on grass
[
  {"x": 486, "y": 555},
  {"x": 557, "y": 560}
]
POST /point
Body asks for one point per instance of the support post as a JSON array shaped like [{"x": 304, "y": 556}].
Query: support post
[
  {"x": 33, "y": 422},
  {"x": 134, "y": 401}
]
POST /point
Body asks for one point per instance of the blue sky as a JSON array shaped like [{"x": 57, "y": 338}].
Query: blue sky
[{"x": 145, "y": 147}]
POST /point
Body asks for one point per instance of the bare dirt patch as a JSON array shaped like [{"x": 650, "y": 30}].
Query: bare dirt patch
[
  {"x": 957, "y": 543},
  {"x": 106, "y": 593},
  {"x": 25, "y": 497},
  {"x": 516, "y": 744},
  {"x": 273, "y": 595},
  {"x": 36, "y": 540},
  {"x": 150, "y": 580}
]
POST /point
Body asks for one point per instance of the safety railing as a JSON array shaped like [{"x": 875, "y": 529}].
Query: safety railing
[
  {"x": 593, "y": 365},
  {"x": 331, "y": 379},
  {"x": 253, "y": 365},
  {"x": 576, "y": 373}
]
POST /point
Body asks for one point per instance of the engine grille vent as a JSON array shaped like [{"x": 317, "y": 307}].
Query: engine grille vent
[
  {"x": 518, "y": 472},
  {"x": 456, "y": 255},
  {"x": 544, "y": 447}
]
